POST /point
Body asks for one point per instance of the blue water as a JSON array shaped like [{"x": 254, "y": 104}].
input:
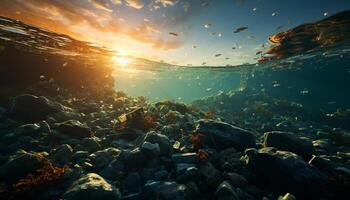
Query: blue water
[{"x": 177, "y": 83}]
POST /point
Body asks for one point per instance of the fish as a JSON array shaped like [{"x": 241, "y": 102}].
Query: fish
[
  {"x": 174, "y": 34},
  {"x": 207, "y": 25},
  {"x": 204, "y": 4},
  {"x": 217, "y": 55},
  {"x": 240, "y": 29},
  {"x": 259, "y": 52},
  {"x": 304, "y": 92}
]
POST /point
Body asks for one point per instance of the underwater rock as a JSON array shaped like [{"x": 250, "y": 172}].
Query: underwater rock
[
  {"x": 162, "y": 140},
  {"x": 150, "y": 149},
  {"x": 338, "y": 175},
  {"x": 230, "y": 159},
  {"x": 132, "y": 183},
  {"x": 102, "y": 158},
  {"x": 114, "y": 170},
  {"x": 30, "y": 108},
  {"x": 211, "y": 176},
  {"x": 222, "y": 135},
  {"x": 20, "y": 165},
  {"x": 28, "y": 130},
  {"x": 74, "y": 129},
  {"x": 79, "y": 155},
  {"x": 92, "y": 186},
  {"x": 132, "y": 159},
  {"x": 341, "y": 138},
  {"x": 91, "y": 144},
  {"x": 284, "y": 171},
  {"x": 190, "y": 158},
  {"x": 236, "y": 180},
  {"x": 288, "y": 142},
  {"x": 174, "y": 117},
  {"x": 226, "y": 192},
  {"x": 163, "y": 190},
  {"x": 189, "y": 173},
  {"x": 63, "y": 154}
]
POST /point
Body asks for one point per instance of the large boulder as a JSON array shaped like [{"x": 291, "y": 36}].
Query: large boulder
[
  {"x": 223, "y": 135},
  {"x": 163, "y": 190},
  {"x": 284, "y": 172},
  {"x": 63, "y": 154},
  {"x": 92, "y": 186},
  {"x": 288, "y": 142},
  {"x": 19, "y": 166},
  {"x": 226, "y": 192},
  {"x": 163, "y": 141},
  {"x": 74, "y": 129},
  {"x": 30, "y": 108}
]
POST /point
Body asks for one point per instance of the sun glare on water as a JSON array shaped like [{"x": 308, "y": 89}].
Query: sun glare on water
[{"x": 121, "y": 59}]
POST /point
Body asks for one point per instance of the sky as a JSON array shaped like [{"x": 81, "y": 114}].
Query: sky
[{"x": 181, "y": 32}]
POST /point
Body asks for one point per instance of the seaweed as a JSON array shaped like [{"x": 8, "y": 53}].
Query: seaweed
[
  {"x": 203, "y": 156},
  {"x": 42, "y": 179},
  {"x": 196, "y": 140}
]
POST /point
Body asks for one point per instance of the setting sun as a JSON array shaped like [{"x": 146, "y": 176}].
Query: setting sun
[{"x": 121, "y": 60}]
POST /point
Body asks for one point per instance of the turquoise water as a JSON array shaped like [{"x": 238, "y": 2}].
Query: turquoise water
[
  {"x": 314, "y": 79},
  {"x": 177, "y": 83}
]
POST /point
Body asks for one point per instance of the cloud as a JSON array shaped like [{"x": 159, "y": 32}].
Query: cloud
[
  {"x": 138, "y": 4},
  {"x": 75, "y": 18},
  {"x": 148, "y": 34},
  {"x": 106, "y": 5},
  {"x": 166, "y": 3}
]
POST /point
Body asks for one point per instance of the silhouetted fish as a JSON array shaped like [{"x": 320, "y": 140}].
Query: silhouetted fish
[{"x": 240, "y": 29}]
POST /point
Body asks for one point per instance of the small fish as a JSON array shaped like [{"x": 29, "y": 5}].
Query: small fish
[
  {"x": 207, "y": 25},
  {"x": 220, "y": 34},
  {"x": 194, "y": 46},
  {"x": 235, "y": 48},
  {"x": 240, "y": 29},
  {"x": 254, "y": 9},
  {"x": 304, "y": 92},
  {"x": 330, "y": 115},
  {"x": 217, "y": 55},
  {"x": 251, "y": 37},
  {"x": 205, "y": 4},
  {"x": 174, "y": 34},
  {"x": 259, "y": 52},
  {"x": 203, "y": 63},
  {"x": 274, "y": 14},
  {"x": 227, "y": 58},
  {"x": 325, "y": 14}
]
